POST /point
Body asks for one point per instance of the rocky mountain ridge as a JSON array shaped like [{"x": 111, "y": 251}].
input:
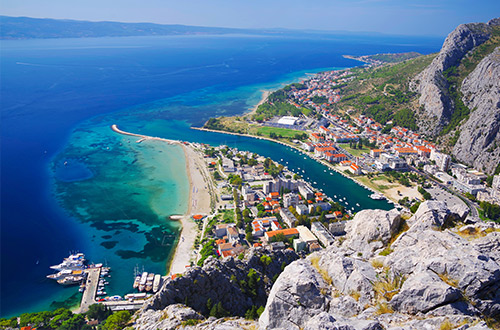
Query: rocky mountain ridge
[
  {"x": 475, "y": 131},
  {"x": 387, "y": 273}
]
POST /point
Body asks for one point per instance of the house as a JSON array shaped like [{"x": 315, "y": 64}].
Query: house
[
  {"x": 314, "y": 247},
  {"x": 337, "y": 228},
  {"x": 232, "y": 234},
  {"x": 374, "y": 153},
  {"x": 227, "y": 165},
  {"x": 299, "y": 244},
  {"x": 355, "y": 169},
  {"x": 221, "y": 230}
]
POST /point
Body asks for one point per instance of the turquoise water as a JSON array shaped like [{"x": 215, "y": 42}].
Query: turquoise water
[{"x": 70, "y": 183}]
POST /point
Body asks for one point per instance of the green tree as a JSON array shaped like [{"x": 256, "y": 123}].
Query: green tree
[
  {"x": 117, "y": 321},
  {"x": 98, "y": 312}
]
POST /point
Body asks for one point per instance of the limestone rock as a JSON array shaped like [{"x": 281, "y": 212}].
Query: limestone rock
[
  {"x": 295, "y": 297},
  {"x": 370, "y": 230},
  {"x": 423, "y": 292},
  {"x": 479, "y": 135},
  {"x": 431, "y": 84},
  {"x": 169, "y": 318}
]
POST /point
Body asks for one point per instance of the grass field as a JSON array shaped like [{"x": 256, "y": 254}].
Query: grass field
[
  {"x": 284, "y": 132},
  {"x": 354, "y": 152}
]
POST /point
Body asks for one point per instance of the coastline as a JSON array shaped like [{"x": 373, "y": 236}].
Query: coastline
[
  {"x": 198, "y": 202},
  {"x": 265, "y": 95},
  {"x": 321, "y": 161}
]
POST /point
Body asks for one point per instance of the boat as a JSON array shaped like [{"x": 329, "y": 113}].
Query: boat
[
  {"x": 65, "y": 273},
  {"x": 156, "y": 283},
  {"x": 357, "y": 204},
  {"x": 74, "y": 261},
  {"x": 377, "y": 196},
  {"x": 70, "y": 280},
  {"x": 149, "y": 282},
  {"x": 142, "y": 282}
]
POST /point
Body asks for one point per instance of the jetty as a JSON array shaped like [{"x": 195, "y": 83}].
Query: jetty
[
  {"x": 88, "y": 297},
  {"x": 141, "y": 137}
]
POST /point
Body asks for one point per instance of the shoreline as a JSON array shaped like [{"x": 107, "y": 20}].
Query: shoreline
[
  {"x": 265, "y": 95},
  {"x": 198, "y": 203}
]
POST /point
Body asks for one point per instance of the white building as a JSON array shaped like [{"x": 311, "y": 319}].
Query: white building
[
  {"x": 321, "y": 233},
  {"x": 288, "y": 120}
]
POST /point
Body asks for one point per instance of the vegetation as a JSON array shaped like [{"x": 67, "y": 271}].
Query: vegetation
[
  {"x": 207, "y": 251},
  {"x": 393, "y": 58},
  {"x": 117, "y": 321},
  {"x": 491, "y": 211},
  {"x": 424, "y": 193}
]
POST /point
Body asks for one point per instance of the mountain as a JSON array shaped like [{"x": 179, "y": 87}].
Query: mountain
[
  {"x": 460, "y": 94},
  {"x": 29, "y": 28}
]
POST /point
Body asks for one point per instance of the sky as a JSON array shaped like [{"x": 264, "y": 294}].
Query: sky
[{"x": 406, "y": 17}]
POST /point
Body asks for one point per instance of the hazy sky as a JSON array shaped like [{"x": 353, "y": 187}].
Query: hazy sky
[{"x": 424, "y": 17}]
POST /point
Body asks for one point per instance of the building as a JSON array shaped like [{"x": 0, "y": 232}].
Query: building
[
  {"x": 298, "y": 245},
  {"x": 496, "y": 182},
  {"x": 324, "y": 236},
  {"x": 323, "y": 205},
  {"x": 232, "y": 234},
  {"x": 302, "y": 209},
  {"x": 288, "y": 233},
  {"x": 278, "y": 184},
  {"x": 290, "y": 199},
  {"x": 221, "y": 229},
  {"x": 355, "y": 169},
  {"x": 468, "y": 188},
  {"x": 306, "y": 235},
  {"x": 337, "y": 228},
  {"x": 288, "y": 120},
  {"x": 305, "y": 191},
  {"x": 442, "y": 160},
  {"x": 227, "y": 165},
  {"x": 288, "y": 217},
  {"x": 375, "y": 153}
]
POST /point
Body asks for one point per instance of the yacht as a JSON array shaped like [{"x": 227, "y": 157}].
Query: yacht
[{"x": 74, "y": 261}]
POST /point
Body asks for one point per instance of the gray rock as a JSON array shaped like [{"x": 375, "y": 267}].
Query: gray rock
[
  {"x": 295, "y": 297},
  {"x": 423, "y": 292},
  {"x": 479, "y": 135},
  {"x": 325, "y": 321},
  {"x": 431, "y": 84},
  {"x": 435, "y": 215},
  {"x": 370, "y": 230},
  {"x": 169, "y": 318}
]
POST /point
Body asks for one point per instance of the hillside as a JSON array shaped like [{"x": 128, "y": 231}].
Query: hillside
[{"x": 29, "y": 28}]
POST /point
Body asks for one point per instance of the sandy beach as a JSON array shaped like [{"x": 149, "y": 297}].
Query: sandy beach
[{"x": 199, "y": 203}]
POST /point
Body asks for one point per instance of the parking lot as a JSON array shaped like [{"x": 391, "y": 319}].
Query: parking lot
[{"x": 442, "y": 195}]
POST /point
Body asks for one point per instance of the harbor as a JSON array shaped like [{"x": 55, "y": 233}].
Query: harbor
[{"x": 92, "y": 280}]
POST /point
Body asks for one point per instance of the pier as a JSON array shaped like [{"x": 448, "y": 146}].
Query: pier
[
  {"x": 88, "y": 297},
  {"x": 124, "y": 305},
  {"x": 141, "y": 137}
]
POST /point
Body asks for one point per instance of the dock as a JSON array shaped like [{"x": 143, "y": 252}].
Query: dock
[{"x": 88, "y": 297}]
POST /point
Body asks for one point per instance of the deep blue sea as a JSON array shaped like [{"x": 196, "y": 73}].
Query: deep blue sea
[{"x": 68, "y": 183}]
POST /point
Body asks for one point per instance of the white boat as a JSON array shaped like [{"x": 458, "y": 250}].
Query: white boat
[
  {"x": 74, "y": 261},
  {"x": 142, "y": 282},
  {"x": 69, "y": 280},
  {"x": 156, "y": 283},
  {"x": 376, "y": 196},
  {"x": 357, "y": 204}
]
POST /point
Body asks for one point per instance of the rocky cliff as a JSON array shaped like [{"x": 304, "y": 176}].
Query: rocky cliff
[
  {"x": 427, "y": 272},
  {"x": 429, "y": 276},
  {"x": 479, "y": 138},
  {"x": 431, "y": 83}
]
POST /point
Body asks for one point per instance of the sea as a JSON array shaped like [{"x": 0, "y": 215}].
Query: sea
[{"x": 69, "y": 183}]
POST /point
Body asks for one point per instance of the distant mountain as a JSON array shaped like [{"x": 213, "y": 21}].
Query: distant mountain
[{"x": 30, "y": 28}]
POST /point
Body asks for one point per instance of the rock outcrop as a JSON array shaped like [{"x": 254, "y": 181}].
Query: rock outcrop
[
  {"x": 479, "y": 141},
  {"x": 433, "y": 86},
  {"x": 428, "y": 276}
]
